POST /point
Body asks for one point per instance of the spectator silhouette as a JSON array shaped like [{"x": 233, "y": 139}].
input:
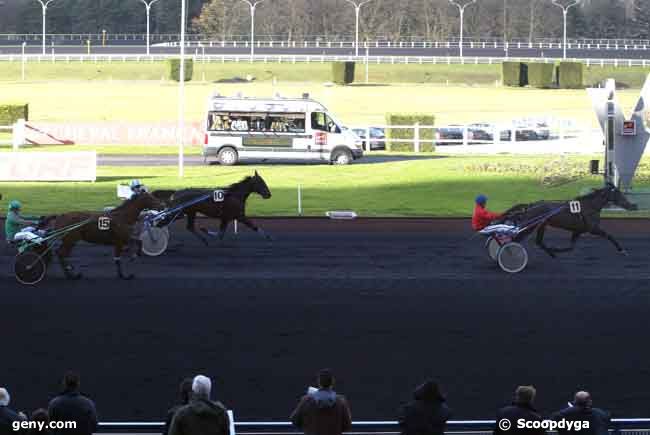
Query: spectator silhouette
[
  {"x": 40, "y": 416},
  {"x": 427, "y": 413},
  {"x": 7, "y": 415},
  {"x": 583, "y": 411},
  {"x": 521, "y": 408},
  {"x": 70, "y": 405},
  {"x": 323, "y": 412},
  {"x": 201, "y": 416},
  {"x": 184, "y": 393}
]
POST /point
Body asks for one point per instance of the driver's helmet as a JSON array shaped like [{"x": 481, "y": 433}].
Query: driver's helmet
[
  {"x": 137, "y": 187},
  {"x": 481, "y": 199},
  {"x": 15, "y": 205}
]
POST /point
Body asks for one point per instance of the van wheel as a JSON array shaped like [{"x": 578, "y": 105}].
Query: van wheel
[
  {"x": 341, "y": 157},
  {"x": 227, "y": 156}
]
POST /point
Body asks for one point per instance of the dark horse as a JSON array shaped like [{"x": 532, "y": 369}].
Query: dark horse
[
  {"x": 112, "y": 228},
  {"x": 233, "y": 206},
  {"x": 587, "y": 221}
]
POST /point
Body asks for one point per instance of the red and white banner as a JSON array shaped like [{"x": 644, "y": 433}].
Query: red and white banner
[{"x": 112, "y": 133}]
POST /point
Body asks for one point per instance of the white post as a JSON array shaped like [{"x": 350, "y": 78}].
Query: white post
[
  {"x": 147, "y": 7},
  {"x": 416, "y": 138},
  {"x": 461, "y": 9},
  {"x": 565, "y": 11},
  {"x": 357, "y": 12},
  {"x": 367, "y": 63},
  {"x": 23, "y": 62},
  {"x": 44, "y": 7},
  {"x": 299, "y": 200},
  {"x": 18, "y": 134},
  {"x": 181, "y": 96}
]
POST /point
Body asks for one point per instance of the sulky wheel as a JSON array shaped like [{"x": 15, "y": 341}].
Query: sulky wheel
[
  {"x": 29, "y": 268},
  {"x": 154, "y": 241},
  {"x": 492, "y": 247},
  {"x": 512, "y": 257}
]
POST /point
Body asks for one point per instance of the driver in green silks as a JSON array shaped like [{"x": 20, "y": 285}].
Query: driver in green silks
[{"x": 15, "y": 221}]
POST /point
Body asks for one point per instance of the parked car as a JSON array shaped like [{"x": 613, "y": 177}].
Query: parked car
[
  {"x": 481, "y": 132},
  {"x": 450, "y": 135},
  {"x": 377, "y": 138}
]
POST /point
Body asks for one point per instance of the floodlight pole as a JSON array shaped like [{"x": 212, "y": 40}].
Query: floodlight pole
[
  {"x": 181, "y": 96},
  {"x": 253, "y": 6},
  {"x": 148, "y": 9},
  {"x": 565, "y": 11},
  {"x": 44, "y": 7},
  {"x": 461, "y": 9},
  {"x": 357, "y": 11}
]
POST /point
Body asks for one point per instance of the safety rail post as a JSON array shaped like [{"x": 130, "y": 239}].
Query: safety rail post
[
  {"x": 416, "y": 137},
  {"x": 18, "y": 134},
  {"x": 368, "y": 139}
]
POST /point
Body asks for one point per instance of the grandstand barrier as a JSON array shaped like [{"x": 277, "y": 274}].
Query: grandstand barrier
[{"x": 622, "y": 426}]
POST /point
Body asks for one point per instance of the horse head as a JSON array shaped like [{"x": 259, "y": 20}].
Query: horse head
[
  {"x": 260, "y": 187},
  {"x": 616, "y": 197}
]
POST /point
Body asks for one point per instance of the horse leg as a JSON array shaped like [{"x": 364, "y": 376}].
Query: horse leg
[
  {"x": 246, "y": 221},
  {"x": 540, "y": 240},
  {"x": 574, "y": 238},
  {"x": 189, "y": 224},
  {"x": 117, "y": 254},
  {"x": 62, "y": 253},
  {"x": 597, "y": 231}
]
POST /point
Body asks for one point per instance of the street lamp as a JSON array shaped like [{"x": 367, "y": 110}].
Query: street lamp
[
  {"x": 565, "y": 11},
  {"x": 357, "y": 10},
  {"x": 461, "y": 9},
  {"x": 44, "y": 6},
  {"x": 181, "y": 94},
  {"x": 147, "y": 6},
  {"x": 253, "y": 5}
]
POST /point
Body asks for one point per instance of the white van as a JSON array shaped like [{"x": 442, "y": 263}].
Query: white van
[{"x": 276, "y": 128}]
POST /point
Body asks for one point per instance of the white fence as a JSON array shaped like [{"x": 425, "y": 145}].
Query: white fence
[
  {"x": 17, "y": 131},
  {"x": 557, "y": 138},
  {"x": 198, "y": 56}
]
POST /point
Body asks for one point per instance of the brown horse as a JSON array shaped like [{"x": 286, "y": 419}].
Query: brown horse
[
  {"x": 111, "y": 228},
  {"x": 233, "y": 206}
]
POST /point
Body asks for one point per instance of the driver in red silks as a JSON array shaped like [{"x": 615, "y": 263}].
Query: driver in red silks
[{"x": 482, "y": 217}]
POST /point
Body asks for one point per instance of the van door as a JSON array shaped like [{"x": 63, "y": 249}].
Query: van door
[{"x": 325, "y": 133}]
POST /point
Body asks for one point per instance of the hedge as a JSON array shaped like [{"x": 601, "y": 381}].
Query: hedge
[
  {"x": 343, "y": 73},
  {"x": 175, "y": 69},
  {"x": 540, "y": 75},
  {"x": 409, "y": 133},
  {"x": 514, "y": 74},
  {"x": 570, "y": 75},
  {"x": 10, "y": 113}
]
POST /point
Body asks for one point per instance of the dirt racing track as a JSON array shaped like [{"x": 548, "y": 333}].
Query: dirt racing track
[{"x": 385, "y": 303}]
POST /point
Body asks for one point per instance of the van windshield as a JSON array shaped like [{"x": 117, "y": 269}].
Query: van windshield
[{"x": 263, "y": 122}]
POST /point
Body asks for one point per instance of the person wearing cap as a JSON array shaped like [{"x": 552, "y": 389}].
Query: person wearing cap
[
  {"x": 15, "y": 221},
  {"x": 137, "y": 187},
  {"x": 481, "y": 217}
]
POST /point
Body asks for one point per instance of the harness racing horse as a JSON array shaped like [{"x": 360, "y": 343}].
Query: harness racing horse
[
  {"x": 232, "y": 207},
  {"x": 112, "y": 228},
  {"x": 586, "y": 221}
]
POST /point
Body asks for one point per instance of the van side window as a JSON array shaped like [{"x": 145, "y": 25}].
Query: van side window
[
  {"x": 287, "y": 122},
  {"x": 318, "y": 121}
]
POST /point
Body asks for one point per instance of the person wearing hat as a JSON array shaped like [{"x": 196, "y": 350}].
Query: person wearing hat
[
  {"x": 137, "y": 187},
  {"x": 481, "y": 217},
  {"x": 15, "y": 221}
]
